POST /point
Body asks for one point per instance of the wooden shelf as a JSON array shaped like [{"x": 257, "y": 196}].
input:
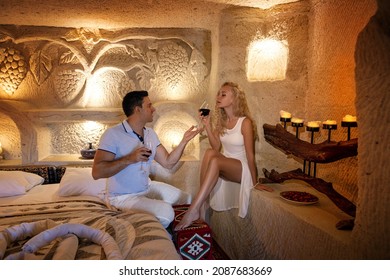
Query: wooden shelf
[
  {"x": 65, "y": 159},
  {"x": 10, "y": 162},
  {"x": 103, "y": 115}
]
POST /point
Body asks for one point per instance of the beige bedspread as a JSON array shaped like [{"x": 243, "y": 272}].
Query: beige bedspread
[{"x": 87, "y": 227}]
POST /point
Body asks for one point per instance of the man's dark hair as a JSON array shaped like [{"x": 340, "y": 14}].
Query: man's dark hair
[{"x": 132, "y": 100}]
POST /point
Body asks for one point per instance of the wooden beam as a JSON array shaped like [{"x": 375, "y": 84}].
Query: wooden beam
[{"x": 319, "y": 153}]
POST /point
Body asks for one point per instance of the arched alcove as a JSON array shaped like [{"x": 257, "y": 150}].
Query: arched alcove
[
  {"x": 172, "y": 119},
  {"x": 9, "y": 139},
  {"x": 26, "y": 133}
]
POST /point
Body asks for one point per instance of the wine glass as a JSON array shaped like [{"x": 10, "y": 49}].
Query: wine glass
[
  {"x": 204, "y": 109},
  {"x": 148, "y": 145}
]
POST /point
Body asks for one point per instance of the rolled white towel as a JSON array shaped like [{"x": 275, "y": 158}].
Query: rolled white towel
[
  {"x": 21, "y": 232},
  {"x": 24, "y": 230},
  {"x": 97, "y": 236}
]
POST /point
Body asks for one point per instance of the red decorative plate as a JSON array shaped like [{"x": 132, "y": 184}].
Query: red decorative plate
[{"x": 303, "y": 198}]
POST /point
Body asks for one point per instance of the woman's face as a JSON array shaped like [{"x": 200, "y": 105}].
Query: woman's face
[{"x": 225, "y": 97}]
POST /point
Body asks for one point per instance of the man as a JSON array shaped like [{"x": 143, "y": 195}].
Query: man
[{"x": 123, "y": 158}]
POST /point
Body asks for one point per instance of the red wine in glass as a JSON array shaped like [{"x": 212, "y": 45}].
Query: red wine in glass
[
  {"x": 204, "y": 109},
  {"x": 148, "y": 145}
]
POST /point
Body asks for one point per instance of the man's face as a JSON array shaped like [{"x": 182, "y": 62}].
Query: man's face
[{"x": 147, "y": 109}]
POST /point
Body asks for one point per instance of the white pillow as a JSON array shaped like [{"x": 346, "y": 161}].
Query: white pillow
[
  {"x": 79, "y": 181},
  {"x": 18, "y": 182},
  {"x": 33, "y": 180}
]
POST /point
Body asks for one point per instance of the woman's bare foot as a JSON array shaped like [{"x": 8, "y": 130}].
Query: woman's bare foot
[{"x": 188, "y": 218}]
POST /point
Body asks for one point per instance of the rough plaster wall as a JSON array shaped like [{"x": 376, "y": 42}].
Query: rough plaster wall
[
  {"x": 331, "y": 87},
  {"x": 26, "y": 130},
  {"x": 70, "y": 138},
  {"x": 373, "y": 102},
  {"x": 238, "y": 28}
]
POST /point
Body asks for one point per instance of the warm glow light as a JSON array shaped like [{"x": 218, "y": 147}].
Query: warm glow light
[
  {"x": 296, "y": 120},
  {"x": 91, "y": 126},
  {"x": 171, "y": 133},
  {"x": 349, "y": 118},
  {"x": 284, "y": 114},
  {"x": 91, "y": 131},
  {"x": 174, "y": 137},
  {"x": 177, "y": 93},
  {"x": 106, "y": 88},
  {"x": 171, "y": 127},
  {"x": 267, "y": 60},
  {"x": 313, "y": 124},
  {"x": 330, "y": 122}
]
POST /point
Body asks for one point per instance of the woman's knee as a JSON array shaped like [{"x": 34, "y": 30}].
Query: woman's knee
[
  {"x": 215, "y": 161},
  {"x": 209, "y": 153}
]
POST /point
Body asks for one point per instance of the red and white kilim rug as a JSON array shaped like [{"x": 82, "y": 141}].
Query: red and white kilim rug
[{"x": 195, "y": 241}]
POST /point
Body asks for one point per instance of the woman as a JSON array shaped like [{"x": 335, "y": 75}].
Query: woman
[{"x": 236, "y": 133}]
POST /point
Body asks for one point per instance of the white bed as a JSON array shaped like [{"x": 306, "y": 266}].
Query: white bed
[{"x": 42, "y": 224}]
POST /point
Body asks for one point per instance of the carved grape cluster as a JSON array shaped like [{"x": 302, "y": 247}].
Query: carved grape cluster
[
  {"x": 68, "y": 84},
  {"x": 125, "y": 85},
  {"x": 173, "y": 63},
  {"x": 12, "y": 69}
]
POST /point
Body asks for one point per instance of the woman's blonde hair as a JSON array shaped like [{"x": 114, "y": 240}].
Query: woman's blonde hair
[{"x": 240, "y": 109}]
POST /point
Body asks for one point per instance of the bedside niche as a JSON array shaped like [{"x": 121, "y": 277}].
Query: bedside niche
[
  {"x": 33, "y": 136},
  {"x": 62, "y": 133}
]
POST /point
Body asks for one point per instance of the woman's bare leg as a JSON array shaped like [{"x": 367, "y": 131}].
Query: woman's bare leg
[
  {"x": 217, "y": 165},
  {"x": 210, "y": 153}
]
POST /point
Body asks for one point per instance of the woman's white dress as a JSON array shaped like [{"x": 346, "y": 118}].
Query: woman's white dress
[{"x": 226, "y": 194}]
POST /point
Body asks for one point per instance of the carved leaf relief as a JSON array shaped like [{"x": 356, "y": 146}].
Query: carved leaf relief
[
  {"x": 198, "y": 67},
  {"x": 134, "y": 51},
  {"x": 4, "y": 36},
  {"x": 40, "y": 65},
  {"x": 144, "y": 77},
  {"x": 68, "y": 57},
  {"x": 117, "y": 57}
]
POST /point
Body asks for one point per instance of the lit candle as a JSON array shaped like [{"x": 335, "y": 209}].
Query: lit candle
[
  {"x": 296, "y": 120},
  {"x": 349, "y": 118},
  {"x": 285, "y": 115},
  {"x": 349, "y": 121},
  {"x": 330, "y": 122},
  {"x": 313, "y": 124}
]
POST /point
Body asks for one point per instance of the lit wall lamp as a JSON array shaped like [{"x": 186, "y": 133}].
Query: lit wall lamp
[{"x": 267, "y": 60}]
